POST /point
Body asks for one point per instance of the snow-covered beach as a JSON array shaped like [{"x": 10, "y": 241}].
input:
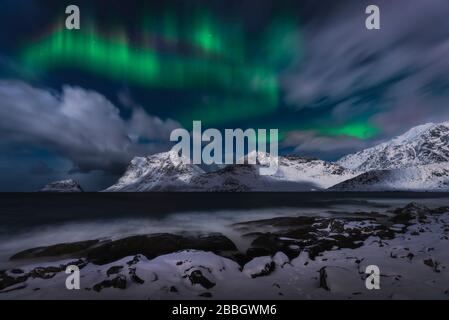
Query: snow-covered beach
[{"x": 284, "y": 257}]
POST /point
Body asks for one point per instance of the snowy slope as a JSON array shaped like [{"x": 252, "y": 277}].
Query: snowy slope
[
  {"x": 321, "y": 173},
  {"x": 421, "y": 145},
  {"x": 416, "y": 160},
  {"x": 159, "y": 172},
  {"x": 432, "y": 177}
]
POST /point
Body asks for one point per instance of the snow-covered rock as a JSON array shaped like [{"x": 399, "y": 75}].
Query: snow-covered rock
[
  {"x": 259, "y": 267},
  {"x": 62, "y": 186},
  {"x": 280, "y": 259},
  {"x": 413, "y": 264}
]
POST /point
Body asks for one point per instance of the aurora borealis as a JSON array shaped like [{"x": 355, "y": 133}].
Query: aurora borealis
[
  {"x": 197, "y": 54},
  {"x": 119, "y": 60},
  {"x": 144, "y": 66},
  {"x": 135, "y": 71}
]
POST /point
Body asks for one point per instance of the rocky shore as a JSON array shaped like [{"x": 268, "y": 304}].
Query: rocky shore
[{"x": 298, "y": 257}]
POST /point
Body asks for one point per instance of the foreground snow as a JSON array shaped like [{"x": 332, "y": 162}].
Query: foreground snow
[{"x": 413, "y": 264}]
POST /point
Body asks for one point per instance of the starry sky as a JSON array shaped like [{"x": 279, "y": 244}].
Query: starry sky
[{"x": 81, "y": 104}]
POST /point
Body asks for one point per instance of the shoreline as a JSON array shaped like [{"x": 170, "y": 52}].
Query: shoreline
[{"x": 289, "y": 257}]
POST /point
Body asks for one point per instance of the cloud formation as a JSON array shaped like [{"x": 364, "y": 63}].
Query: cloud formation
[
  {"x": 80, "y": 125},
  {"x": 311, "y": 143},
  {"x": 398, "y": 76}
]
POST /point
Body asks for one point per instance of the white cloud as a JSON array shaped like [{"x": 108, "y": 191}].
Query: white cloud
[
  {"x": 311, "y": 143},
  {"x": 78, "y": 124}
]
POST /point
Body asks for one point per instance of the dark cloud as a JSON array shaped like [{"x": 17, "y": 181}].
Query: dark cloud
[
  {"x": 42, "y": 168},
  {"x": 80, "y": 125}
]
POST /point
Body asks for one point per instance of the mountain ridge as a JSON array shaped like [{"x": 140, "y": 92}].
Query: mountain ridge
[
  {"x": 416, "y": 160},
  {"x": 159, "y": 173}
]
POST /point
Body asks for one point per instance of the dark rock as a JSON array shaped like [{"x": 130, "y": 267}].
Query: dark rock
[
  {"x": 279, "y": 222},
  {"x": 118, "y": 282},
  {"x": 114, "y": 270},
  {"x": 16, "y": 271},
  {"x": 267, "y": 270},
  {"x": 8, "y": 281},
  {"x": 61, "y": 249},
  {"x": 197, "y": 277},
  {"x": 45, "y": 273},
  {"x": 149, "y": 245},
  {"x": 135, "y": 277},
  {"x": 173, "y": 289},
  {"x": 316, "y": 235},
  {"x": 429, "y": 262},
  {"x": 435, "y": 265},
  {"x": 152, "y": 246},
  {"x": 409, "y": 212},
  {"x": 323, "y": 279},
  {"x": 134, "y": 260}
]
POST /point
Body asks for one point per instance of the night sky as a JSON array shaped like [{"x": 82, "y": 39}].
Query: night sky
[{"x": 80, "y": 104}]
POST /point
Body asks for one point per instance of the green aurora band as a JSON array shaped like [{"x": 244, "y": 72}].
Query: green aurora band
[
  {"x": 241, "y": 89},
  {"x": 361, "y": 130},
  {"x": 116, "y": 59}
]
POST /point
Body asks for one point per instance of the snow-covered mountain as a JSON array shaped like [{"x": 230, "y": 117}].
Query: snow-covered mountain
[
  {"x": 421, "y": 145},
  {"x": 416, "y": 160},
  {"x": 294, "y": 174},
  {"x": 166, "y": 172},
  {"x": 62, "y": 186},
  {"x": 160, "y": 172},
  {"x": 431, "y": 177}
]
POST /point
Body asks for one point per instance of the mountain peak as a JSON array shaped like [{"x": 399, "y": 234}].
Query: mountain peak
[
  {"x": 413, "y": 133},
  {"x": 157, "y": 172}
]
